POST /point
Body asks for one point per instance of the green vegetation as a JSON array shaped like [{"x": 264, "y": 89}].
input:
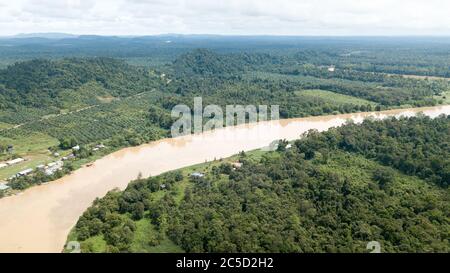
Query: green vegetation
[
  {"x": 444, "y": 97},
  {"x": 44, "y": 83},
  {"x": 86, "y": 101},
  {"x": 418, "y": 146},
  {"x": 330, "y": 192},
  {"x": 4, "y": 125},
  {"x": 332, "y": 97},
  {"x": 124, "y": 96}
]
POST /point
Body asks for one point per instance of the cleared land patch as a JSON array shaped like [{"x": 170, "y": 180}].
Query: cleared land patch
[
  {"x": 333, "y": 97},
  {"x": 4, "y": 125},
  {"x": 445, "y": 97}
]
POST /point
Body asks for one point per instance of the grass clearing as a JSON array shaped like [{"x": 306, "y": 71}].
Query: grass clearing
[
  {"x": 420, "y": 77},
  {"x": 445, "y": 97},
  {"x": 95, "y": 244},
  {"x": 145, "y": 233},
  {"x": 333, "y": 97},
  {"x": 33, "y": 143},
  {"x": 4, "y": 125},
  {"x": 106, "y": 99}
]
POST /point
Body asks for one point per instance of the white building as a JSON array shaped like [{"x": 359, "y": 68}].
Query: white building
[
  {"x": 15, "y": 161},
  {"x": 76, "y": 148},
  {"x": 236, "y": 165},
  {"x": 197, "y": 175},
  {"x": 331, "y": 69},
  {"x": 25, "y": 172},
  {"x": 51, "y": 164}
]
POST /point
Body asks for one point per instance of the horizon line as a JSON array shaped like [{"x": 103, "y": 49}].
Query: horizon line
[{"x": 36, "y": 35}]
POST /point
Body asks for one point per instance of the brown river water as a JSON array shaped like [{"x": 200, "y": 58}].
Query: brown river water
[{"x": 40, "y": 218}]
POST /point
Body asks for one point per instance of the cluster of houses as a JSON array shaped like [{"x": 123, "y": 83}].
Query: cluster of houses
[{"x": 49, "y": 169}]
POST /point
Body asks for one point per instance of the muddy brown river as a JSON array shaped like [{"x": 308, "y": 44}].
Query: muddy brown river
[{"x": 40, "y": 218}]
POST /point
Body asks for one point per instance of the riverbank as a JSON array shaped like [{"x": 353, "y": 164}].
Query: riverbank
[
  {"x": 322, "y": 190},
  {"x": 36, "y": 150},
  {"x": 55, "y": 207},
  {"x": 145, "y": 230}
]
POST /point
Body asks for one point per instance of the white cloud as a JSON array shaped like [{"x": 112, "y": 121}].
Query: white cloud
[{"x": 290, "y": 17}]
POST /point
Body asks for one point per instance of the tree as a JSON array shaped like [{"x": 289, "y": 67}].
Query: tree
[
  {"x": 282, "y": 144},
  {"x": 384, "y": 177},
  {"x": 67, "y": 143},
  {"x": 138, "y": 211},
  {"x": 3, "y": 147}
]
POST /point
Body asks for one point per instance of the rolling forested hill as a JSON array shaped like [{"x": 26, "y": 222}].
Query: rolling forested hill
[
  {"x": 384, "y": 181},
  {"x": 59, "y": 84},
  {"x": 35, "y": 89}
]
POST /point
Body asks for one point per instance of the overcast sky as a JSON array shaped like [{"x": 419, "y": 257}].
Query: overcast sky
[{"x": 281, "y": 17}]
